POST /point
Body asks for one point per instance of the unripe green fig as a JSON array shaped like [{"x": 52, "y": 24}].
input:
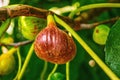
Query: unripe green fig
[
  {"x": 100, "y": 34},
  {"x": 7, "y": 63},
  {"x": 30, "y": 26},
  {"x": 54, "y": 45},
  {"x": 6, "y": 39},
  {"x": 57, "y": 76}
]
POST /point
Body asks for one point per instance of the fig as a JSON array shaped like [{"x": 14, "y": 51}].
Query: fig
[
  {"x": 57, "y": 76},
  {"x": 100, "y": 34},
  {"x": 6, "y": 39},
  {"x": 7, "y": 63},
  {"x": 30, "y": 26},
  {"x": 54, "y": 45}
]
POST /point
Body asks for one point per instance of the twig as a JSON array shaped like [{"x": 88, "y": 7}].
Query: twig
[
  {"x": 16, "y": 44},
  {"x": 53, "y": 71},
  {"x": 30, "y": 52},
  {"x": 68, "y": 71},
  {"x": 89, "y": 26},
  {"x": 42, "y": 75},
  {"x": 92, "y": 13},
  {"x": 26, "y": 10},
  {"x": 93, "y": 6},
  {"x": 112, "y": 20},
  {"x": 21, "y": 10},
  {"x": 19, "y": 62}
]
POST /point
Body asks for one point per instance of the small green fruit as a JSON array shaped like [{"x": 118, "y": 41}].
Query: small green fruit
[
  {"x": 100, "y": 34},
  {"x": 30, "y": 26},
  {"x": 6, "y": 39},
  {"x": 57, "y": 76},
  {"x": 7, "y": 63}
]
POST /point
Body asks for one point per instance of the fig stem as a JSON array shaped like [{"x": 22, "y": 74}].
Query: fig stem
[
  {"x": 67, "y": 71},
  {"x": 19, "y": 61},
  {"x": 91, "y": 6},
  {"x": 53, "y": 71},
  {"x": 103, "y": 66},
  {"x": 44, "y": 70},
  {"x": 26, "y": 62},
  {"x": 12, "y": 51},
  {"x": 65, "y": 9},
  {"x": 50, "y": 19}
]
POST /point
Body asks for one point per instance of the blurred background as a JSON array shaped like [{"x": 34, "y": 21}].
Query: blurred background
[{"x": 80, "y": 69}]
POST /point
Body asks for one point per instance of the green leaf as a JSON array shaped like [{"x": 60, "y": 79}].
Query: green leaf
[
  {"x": 112, "y": 54},
  {"x": 4, "y": 26}
]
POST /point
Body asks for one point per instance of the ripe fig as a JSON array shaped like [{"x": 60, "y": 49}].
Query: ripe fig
[
  {"x": 100, "y": 34},
  {"x": 54, "y": 45},
  {"x": 7, "y": 63},
  {"x": 30, "y": 26}
]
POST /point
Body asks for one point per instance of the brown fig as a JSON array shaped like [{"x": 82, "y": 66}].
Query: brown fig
[{"x": 54, "y": 45}]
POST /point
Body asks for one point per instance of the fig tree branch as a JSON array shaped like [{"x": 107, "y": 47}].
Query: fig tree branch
[
  {"x": 26, "y": 10},
  {"x": 17, "y": 44},
  {"x": 21, "y": 10},
  {"x": 92, "y": 25}
]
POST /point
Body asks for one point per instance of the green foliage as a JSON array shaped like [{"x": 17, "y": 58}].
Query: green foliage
[
  {"x": 79, "y": 67},
  {"x": 4, "y": 26},
  {"x": 112, "y": 55}
]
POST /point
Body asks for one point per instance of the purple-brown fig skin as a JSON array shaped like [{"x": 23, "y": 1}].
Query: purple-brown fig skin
[{"x": 54, "y": 45}]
